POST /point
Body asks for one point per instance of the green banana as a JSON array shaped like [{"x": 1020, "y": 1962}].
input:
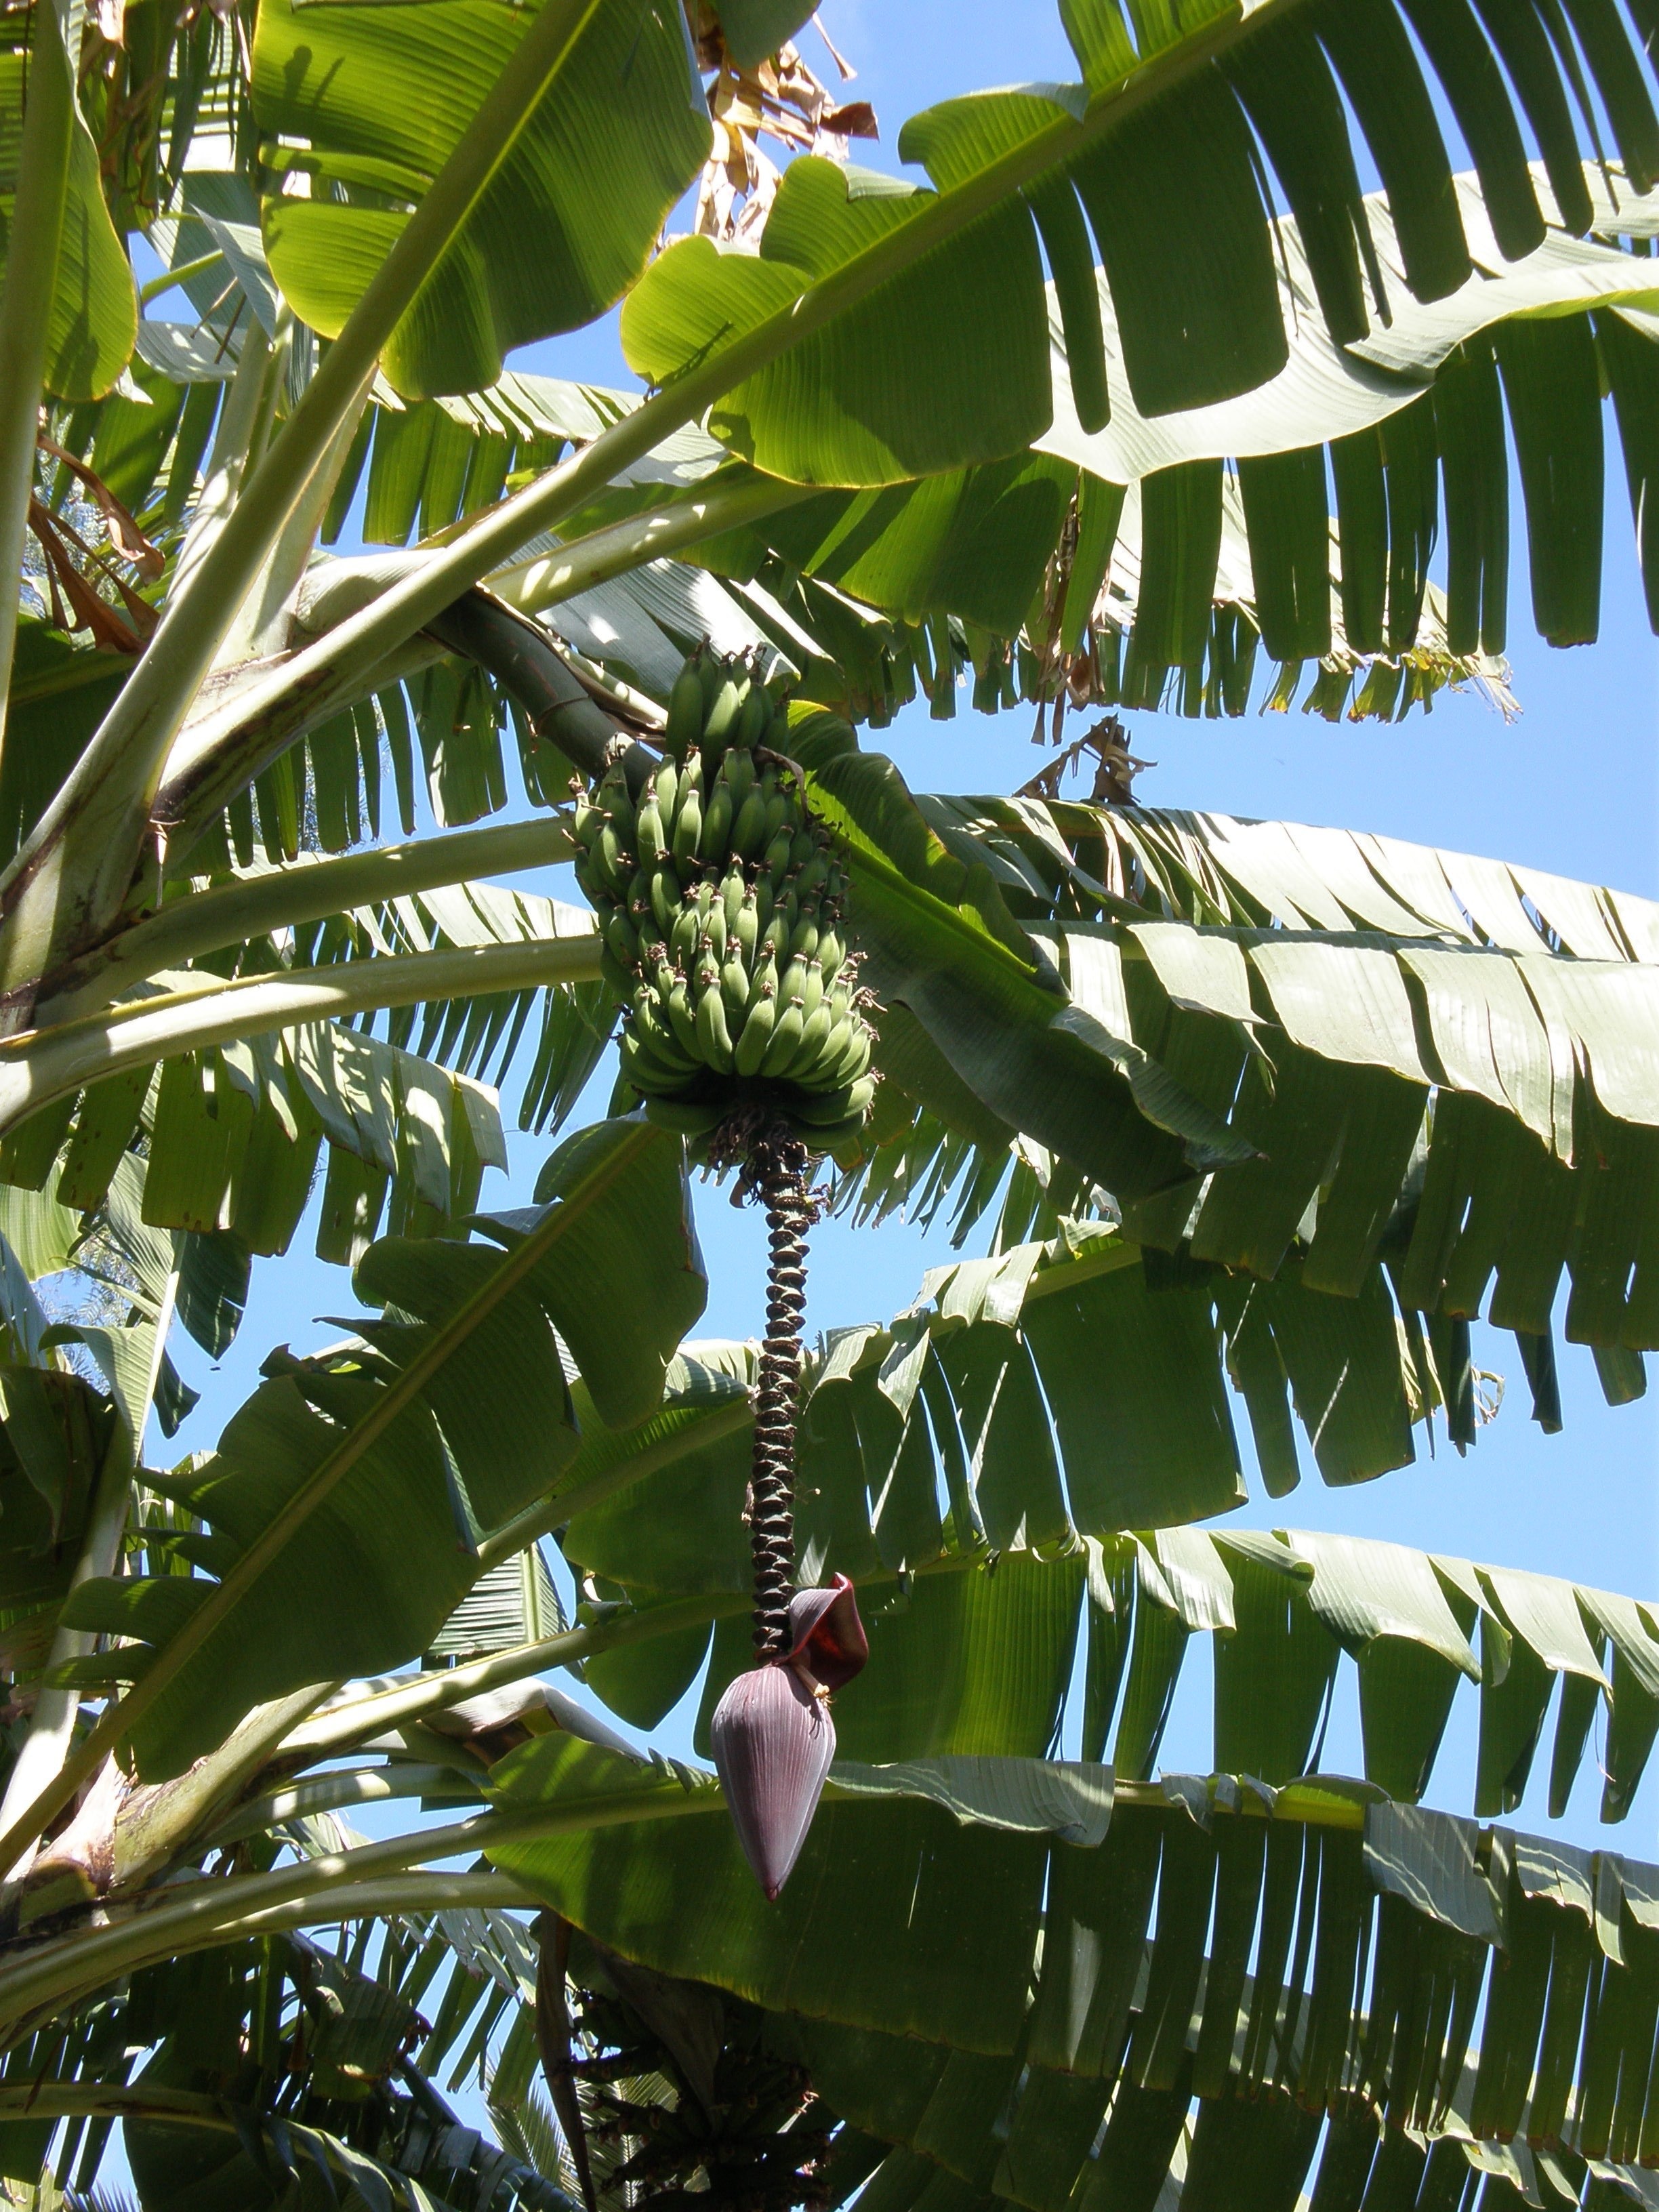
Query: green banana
[
  {"x": 764, "y": 983},
  {"x": 853, "y": 1060},
  {"x": 683, "y": 1021},
  {"x": 637, "y": 1050},
  {"x": 738, "y": 769},
  {"x": 648, "y": 1070},
  {"x": 837, "y": 1140},
  {"x": 756, "y": 717},
  {"x": 685, "y": 708},
  {"x": 756, "y": 1034},
  {"x": 786, "y": 1037},
  {"x": 619, "y": 978},
  {"x": 665, "y": 790},
  {"x": 682, "y": 938},
  {"x": 665, "y": 897},
  {"x": 616, "y": 797},
  {"x": 688, "y": 826},
  {"x": 614, "y": 863},
  {"x": 620, "y": 936},
  {"x": 720, "y": 722},
  {"x": 714, "y": 1037},
  {"x": 718, "y": 900},
  {"x": 816, "y": 1030},
  {"x": 804, "y": 938},
  {"x": 733, "y": 893},
  {"x": 648, "y": 828},
  {"x": 748, "y": 823},
  {"x": 684, "y": 1118},
  {"x": 831, "y": 1106},
  {"x": 744, "y": 925},
  {"x": 715, "y": 841}
]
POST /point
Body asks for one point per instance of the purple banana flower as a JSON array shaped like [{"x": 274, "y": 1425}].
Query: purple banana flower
[
  {"x": 826, "y": 1637},
  {"x": 772, "y": 1734}
]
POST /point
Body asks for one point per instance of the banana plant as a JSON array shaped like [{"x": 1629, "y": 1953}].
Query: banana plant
[{"x": 1138, "y": 390}]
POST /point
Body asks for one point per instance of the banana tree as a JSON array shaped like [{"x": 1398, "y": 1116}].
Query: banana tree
[{"x": 1268, "y": 1111}]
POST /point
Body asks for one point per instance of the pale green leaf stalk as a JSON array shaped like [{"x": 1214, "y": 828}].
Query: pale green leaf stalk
[
  {"x": 26, "y": 301},
  {"x": 398, "y": 1702},
  {"x": 336, "y": 1886},
  {"x": 123, "y": 1833},
  {"x": 304, "y": 890},
  {"x": 41, "y": 1065},
  {"x": 244, "y": 427},
  {"x": 218, "y": 755},
  {"x": 261, "y": 626}
]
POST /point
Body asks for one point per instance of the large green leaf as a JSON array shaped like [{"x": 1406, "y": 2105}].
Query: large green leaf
[
  {"x": 904, "y": 385},
  {"x": 975, "y": 1652},
  {"x": 1299, "y": 566},
  {"x": 95, "y": 315},
  {"x": 1158, "y": 153},
  {"x": 370, "y": 104},
  {"x": 969, "y": 1664},
  {"x": 56, "y": 1429},
  {"x": 1329, "y": 602},
  {"x": 940, "y": 944},
  {"x": 895, "y": 1870},
  {"x": 234, "y": 1136},
  {"x": 1506, "y": 1016},
  {"x": 754, "y": 29},
  {"x": 163, "y": 2051},
  {"x": 1373, "y": 1932},
  {"x": 969, "y": 543},
  {"x": 358, "y": 1569},
  {"x": 696, "y": 1488},
  {"x": 1326, "y": 392}
]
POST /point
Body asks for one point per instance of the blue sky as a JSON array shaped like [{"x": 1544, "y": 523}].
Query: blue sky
[{"x": 1570, "y": 786}]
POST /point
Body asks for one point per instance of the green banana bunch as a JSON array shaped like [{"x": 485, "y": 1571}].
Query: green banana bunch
[{"x": 719, "y": 902}]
